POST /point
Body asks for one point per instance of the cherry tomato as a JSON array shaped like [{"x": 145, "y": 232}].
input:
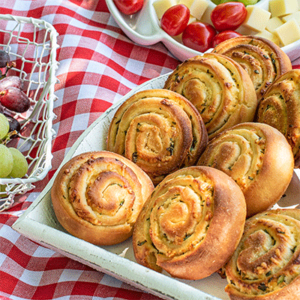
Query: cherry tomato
[
  {"x": 129, "y": 7},
  {"x": 175, "y": 19},
  {"x": 198, "y": 36},
  {"x": 223, "y": 36},
  {"x": 228, "y": 16}
]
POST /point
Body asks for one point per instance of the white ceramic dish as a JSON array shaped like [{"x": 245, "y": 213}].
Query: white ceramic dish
[
  {"x": 143, "y": 28},
  {"x": 40, "y": 224}
]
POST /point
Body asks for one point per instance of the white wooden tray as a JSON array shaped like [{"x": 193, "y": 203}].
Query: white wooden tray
[{"x": 40, "y": 224}]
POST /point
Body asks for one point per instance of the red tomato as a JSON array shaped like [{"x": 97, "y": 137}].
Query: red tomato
[
  {"x": 175, "y": 19},
  {"x": 228, "y": 16},
  {"x": 198, "y": 36},
  {"x": 223, "y": 36},
  {"x": 129, "y": 7}
]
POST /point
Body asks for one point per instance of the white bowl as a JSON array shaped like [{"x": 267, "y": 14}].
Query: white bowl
[{"x": 144, "y": 29}]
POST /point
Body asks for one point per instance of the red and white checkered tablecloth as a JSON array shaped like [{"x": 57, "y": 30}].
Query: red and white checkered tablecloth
[{"x": 98, "y": 64}]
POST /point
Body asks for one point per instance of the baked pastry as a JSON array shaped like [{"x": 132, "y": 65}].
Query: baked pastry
[
  {"x": 220, "y": 89},
  {"x": 97, "y": 196},
  {"x": 265, "y": 265},
  {"x": 159, "y": 130},
  {"x": 280, "y": 108},
  {"x": 263, "y": 60},
  {"x": 258, "y": 157},
  {"x": 191, "y": 224}
]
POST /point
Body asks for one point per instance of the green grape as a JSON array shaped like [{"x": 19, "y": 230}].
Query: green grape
[
  {"x": 6, "y": 161},
  {"x": 20, "y": 165},
  {"x": 248, "y": 2},
  {"x": 4, "y": 126},
  {"x": 2, "y": 190}
]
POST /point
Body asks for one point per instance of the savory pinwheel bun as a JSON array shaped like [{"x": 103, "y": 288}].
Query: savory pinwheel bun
[
  {"x": 263, "y": 60},
  {"x": 97, "y": 196},
  {"x": 280, "y": 108},
  {"x": 218, "y": 87},
  {"x": 159, "y": 130},
  {"x": 191, "y": 224},
  {"x": 258, "y": 157},
  {"x": 265, "y": 265}
]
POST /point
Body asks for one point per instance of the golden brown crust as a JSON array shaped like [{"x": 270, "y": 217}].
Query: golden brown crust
[
  {"x": 191, "y": 224},
  {"x": 220, "y": 89},
  {"x": 97, "y": 196},
  {"x": 280, "y": 108},
  {"x": 263, "y": 60},
  {"x": 159, "y": 130},
  {"x": 265, "y": 265},
  {"x": 258, "y": 157}
]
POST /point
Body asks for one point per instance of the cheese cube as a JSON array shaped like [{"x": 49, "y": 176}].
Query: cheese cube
[
  {"x": 192, "y": 19},
  {"x": 273, "y": 23},
  {"x": 161, "y": 6},
  {"x": 280, "y": 8},
  {"x": 206, "y": 15},
  {"x": 270, "y": 36},
  {"x": 257, "y": 18},
  {"x": 198, "y": 8},
  {"x": 295, "y": 15},
  {"x": 187, "y": 3},
  {"x": 289, "y": 32},
  {"x": 246, "y": 30}
]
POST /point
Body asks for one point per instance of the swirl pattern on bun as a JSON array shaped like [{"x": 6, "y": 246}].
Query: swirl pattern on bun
[
  {"x": 263, "y": 60},
  {"x": 159, "y": 130},
  {"x": 191, "y": 224},
  {"x": 258, "y": 157},
  {"x": 97, "y": 196},
  {"x": 280, "y": 108},
  {"x": 265, "y": 264},
  {"x": 218, "y": 87}
]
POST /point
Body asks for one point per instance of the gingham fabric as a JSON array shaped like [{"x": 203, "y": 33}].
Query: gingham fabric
[{"x": 98, "y": 64}]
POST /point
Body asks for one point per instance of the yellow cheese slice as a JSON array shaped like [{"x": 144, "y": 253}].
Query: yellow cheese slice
[
  {"x": 270, "y": 36},
  {"x": 206, "y": 15},
  {"x": 273, "y": 23},
  {"x": 289, "y": 32},
  {"x": 187, "y": 3},
  {"x": 161, "y": 6},
  {"x": 198, "y": 8},
  {"x": 295, "y": 15},
  {"x": 280, "y": 8},
  {"x": 257, "y": 18},
  {"x": 246, "y": 30}
]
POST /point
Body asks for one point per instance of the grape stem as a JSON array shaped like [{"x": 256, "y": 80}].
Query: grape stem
[{"x": 7, "y": 138}]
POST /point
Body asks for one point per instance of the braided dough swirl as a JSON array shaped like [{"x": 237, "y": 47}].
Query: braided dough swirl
[
  {"x": 159, "y": 130},
  {"x": 258, "y": 157},
  {"x": 219, "y": 88},
  {"x": 97, "y": 196},
  {"x": 263, "y": 60},
  {"x": 191, "y": 224},
  {"x": 265, "y": 264},
  {"x": 280, "y": 108}
]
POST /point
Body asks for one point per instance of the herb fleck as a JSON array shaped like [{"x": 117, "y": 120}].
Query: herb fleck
[
  {"x": 280, "y": 279},
  {"x": 141, "y": 243},
  {"x": 186, "y": 236},
  {"x": 171, "y": 148},
  {"x": 262, "y": 287},
  {"x": 134, "y": 157}
]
